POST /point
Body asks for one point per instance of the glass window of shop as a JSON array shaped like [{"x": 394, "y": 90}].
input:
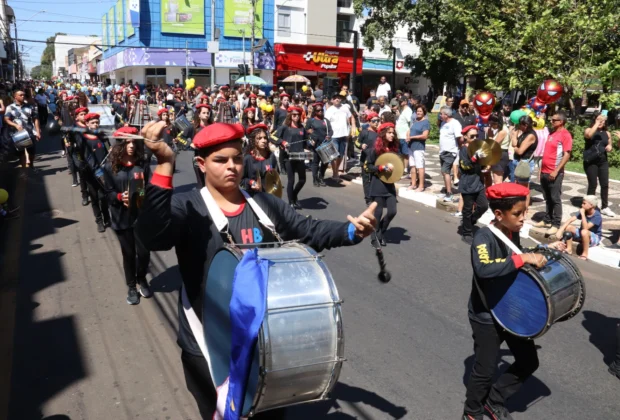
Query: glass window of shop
[
  {"x": 156, "y": 76},
  {"x": 201, "y": 76}
]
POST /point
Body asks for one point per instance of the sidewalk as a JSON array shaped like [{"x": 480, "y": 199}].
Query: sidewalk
[{"x": 573, "y": 189}]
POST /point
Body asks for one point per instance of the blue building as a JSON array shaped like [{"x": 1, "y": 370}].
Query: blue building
[{"x": 167, "y": 41}]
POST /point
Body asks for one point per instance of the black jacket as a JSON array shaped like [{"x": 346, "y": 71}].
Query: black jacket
[
  {"x": 378, "y": 188},
  {"x": 321, "y": 130},
  {"x": 295, "y": 137},
  {"x": 252, "y": 165},
  {"x": 367, "y": 137},
  {"x": 470, "y": 173},
  {"x": 117, "y": 183},
  {"x": 182, "y": 221}
]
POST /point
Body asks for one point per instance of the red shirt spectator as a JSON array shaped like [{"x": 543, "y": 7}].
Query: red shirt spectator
[{"x": 559, "y": 142}]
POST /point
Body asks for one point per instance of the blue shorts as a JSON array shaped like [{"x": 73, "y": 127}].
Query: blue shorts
[
  {"x": 341, "y": 144},
  {"x": 594, "y": 238},
  {"x": 403, "y": 148}
]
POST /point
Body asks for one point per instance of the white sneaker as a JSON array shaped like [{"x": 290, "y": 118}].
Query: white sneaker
[
  {"x": 457, "y": 214},
  {"x": 442, "y": 195},
  {"x": 607, "y": 212},
  {"x": 447, "y": 199}
]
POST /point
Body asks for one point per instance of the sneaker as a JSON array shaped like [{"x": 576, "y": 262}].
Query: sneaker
[
  {"x": 552, "y": 231},
  {"x": 607, "y": 212},
  {"x": 145, "y": 291},
  {"x": 442, "y": 195},
  {"x": 75, "y": 184},
  {"x": 457, "y": 214},
  {"x": 614, "y": 369},
  {"x": 63, "y": 153},
  {"x": 322, "y": 182},
  {"x": 100, "y": 227},
  {"x": 456, "y": 182},
  {"x": 542, "y": 224},
  {"x": 133, "y": 298},
  {"x": 448, "y": 198},
  {"x": 85, "y": 201},
  {"x": 315, "y": 183},
  {"x": 497, "y": 412}
]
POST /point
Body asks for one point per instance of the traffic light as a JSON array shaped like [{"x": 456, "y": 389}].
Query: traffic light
[{"x": 244, "y": 70}]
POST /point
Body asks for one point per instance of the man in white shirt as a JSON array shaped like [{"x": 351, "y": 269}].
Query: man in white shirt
[
  {"x": 383, "y": 106},
  {"x": 449, "y": 139},
  {"x": 342, "y": 122},
  {"x": 384, "y": 88}
]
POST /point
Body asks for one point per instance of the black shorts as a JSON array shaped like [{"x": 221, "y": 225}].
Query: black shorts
[{"x": 502, "y": 165}]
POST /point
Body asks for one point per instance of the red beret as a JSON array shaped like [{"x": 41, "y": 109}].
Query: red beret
[
  {"x": 218, "y": 133},
  {"x": 295, "y": 109},
  {"x": 203, "y": 106},
  {"x": 506, "y": 190},
  {"x": 70, "y": 98},
  {"x": 125, "y": 130},
  {"x": 258, "y": 126},
  {"x": 469, "y": 127},
  {"x": 253, "y": 96},
  {"x": 385, "y": 126},
  {"x": 64, "y": 92},
  {"x": 224, "y": 87},
  {"x": 134, "y": 93},
  {"x": 92, "y": 116},
  {"x": 178, "y": 90},
  {"x": 284, "y": 94},
  {"x": 250, "y": 109},
  {"x": 371, "y": 115},
  {"x": 199, "y": 88},
  {"x": 119, "y": 92},
  {"x": 318, "y": 105},
  {"x": 81, "y": 109},
  {"x": 162, "y": 111}
]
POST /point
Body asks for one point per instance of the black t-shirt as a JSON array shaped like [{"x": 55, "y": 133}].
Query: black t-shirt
[
  {"x": 279, "y": 117},
  {"x": 372, "y": 101},
  {"x": 530, "y": 150},
  {"x": 599, "y": 141},
  {"x": 465, "y": 120},
  {"x": 293, "y": 136},
  {"x": 470, "y": 173},
  {"x": 245, "y": 229}
]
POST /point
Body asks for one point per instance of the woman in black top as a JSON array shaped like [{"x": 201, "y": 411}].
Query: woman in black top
[
  {"x": 380, "y": 192},
  {"x": 119, "y": 109},
  {"x": 291, "y": 138},
  {"x": 320, "y": 130},
  {"x": 524, "y": 140},
  {"x": 202, "y": 118},
  {"x": 249, "y": 118},
  {"x": 258, "y": 158},
  {"x": 595, "y": 164},
  {"x": 127, "y": 171}
]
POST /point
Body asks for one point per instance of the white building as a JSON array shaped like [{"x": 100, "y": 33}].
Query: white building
[{"x": 62, "y": 45}]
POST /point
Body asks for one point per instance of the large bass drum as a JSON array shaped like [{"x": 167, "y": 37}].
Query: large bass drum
[
  {"x": 538, "y": 298},
  {"x": 300, "y": 346}
]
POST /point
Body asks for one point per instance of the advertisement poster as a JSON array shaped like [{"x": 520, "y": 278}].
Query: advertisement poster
[
  {"x": 238, "y": 15},
  {"x": 129, "y": 31},
  {"x": 111, "y": 30},
  {"x": 120, "y": 31},
  {"x": 183, "y": 17},
  {"x": 104, "y": 32},
  {"x": 133, "y": 12}
]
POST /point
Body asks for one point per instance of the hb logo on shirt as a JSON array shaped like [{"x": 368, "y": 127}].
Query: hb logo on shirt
[{"x": 251, "y": 236}]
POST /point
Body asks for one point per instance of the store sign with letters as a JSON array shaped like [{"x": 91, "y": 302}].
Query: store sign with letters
[{"x": 321, "y": 59}]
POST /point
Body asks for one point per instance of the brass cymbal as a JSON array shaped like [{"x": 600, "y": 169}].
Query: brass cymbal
[
  {"x": 397, "y": 167},
  {"x": 491, "y": 148},
  {"x": 273, "y": 184}
]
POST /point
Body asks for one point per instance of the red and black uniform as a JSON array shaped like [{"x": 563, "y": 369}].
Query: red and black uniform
[
  {"x": 252, "y": 165},
  {"x": 471, "y": 188},
  {"x": 367, "y": 137},
  {"x": 380, "y": 192},
  {"x": 189, "y": 133},
  {"x": 292, "y": 139},
  {"x": 321, "y": 132},
  {"x": 119, "y": 110}
]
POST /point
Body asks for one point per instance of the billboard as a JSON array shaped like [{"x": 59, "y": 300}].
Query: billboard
[
  {"x": 120, "y": 31},
  {"x": 133, "y": 13},
  {"x": 129, "y": 31},
  {"x": 111, "y": 30},
  {"x": 104, "y": 32},
  {"x": 238, "y": 17},
  {"x": 181, "y": 17}
]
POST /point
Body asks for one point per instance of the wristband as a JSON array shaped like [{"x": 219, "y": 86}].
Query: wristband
[
  {"x": 381, "y": 167},
  {"x": 119, "y": 197}
]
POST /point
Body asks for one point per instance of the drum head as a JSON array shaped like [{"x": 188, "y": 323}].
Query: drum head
[
  {"x": 520, "y": 307},
  {"x": 216, "y": 322}
]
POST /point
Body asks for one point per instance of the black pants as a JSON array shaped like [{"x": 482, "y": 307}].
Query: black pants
[
  {"x": 294, "y": 167},
  {"x": 135, "y": 256},
  {"x": 318, "y": 167},
  {"x": 471, "y": 216},
  {"x": 198, "y": 381},
  {"x": 366, "y": 177},
  {"x": 552, "y": 192},
  {"x": 384, "y": 222},
  {"x": 600, "y": 171},
  {"x": 487, "y": 341},
  {"x": 43, "y": 114},
  {"x": 98, "y": 200}
]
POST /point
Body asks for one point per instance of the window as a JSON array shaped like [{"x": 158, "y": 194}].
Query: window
[
  {"x": 155, "y": 76},
  {"x": 341, "y": 25},
  {"x": 156, "y": 72},
  {"x": 344, "y": 3},
  {"x": 284, "y": 23}
]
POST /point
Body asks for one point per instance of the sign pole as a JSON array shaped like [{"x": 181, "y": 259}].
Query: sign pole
[{"x": 252, "y": 41}]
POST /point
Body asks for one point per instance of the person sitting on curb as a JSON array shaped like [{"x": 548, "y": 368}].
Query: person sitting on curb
[{"x": 590, "y": 232}]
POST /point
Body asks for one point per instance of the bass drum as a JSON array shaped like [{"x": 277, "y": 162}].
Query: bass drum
[
  {"x": 300, "y": 346},
  {"x": 537, "y": 299}
]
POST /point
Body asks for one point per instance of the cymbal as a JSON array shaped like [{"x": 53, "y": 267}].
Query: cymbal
[
  {"x": 273, "y": 184},
  {"x": 491, "y": 148},
  {"x": 397, "y": 167}
]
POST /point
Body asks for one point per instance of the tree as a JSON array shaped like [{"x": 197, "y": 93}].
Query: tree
[
  {"x": 42, "y": 72},
  {"x": 48, "y": 55}
]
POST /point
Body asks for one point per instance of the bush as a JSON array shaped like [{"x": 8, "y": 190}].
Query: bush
[{"x": 433, "y": 136}]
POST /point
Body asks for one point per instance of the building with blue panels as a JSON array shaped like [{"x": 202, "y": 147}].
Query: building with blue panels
[{"x": 159, "y": 41}]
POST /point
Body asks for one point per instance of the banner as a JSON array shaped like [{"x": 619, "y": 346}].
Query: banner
[
  {"x": 104, "y": 32},
  {"x": 129, "y": 30},
  {"x": 133, "y": 13},
  {"x": 111, "y": 30},
  {"x": 120, "y": 31},
  {"x": 181, "y": 17},
  {"x": 238, "y": 17}
]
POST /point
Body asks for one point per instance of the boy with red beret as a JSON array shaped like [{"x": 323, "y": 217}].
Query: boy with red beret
[
  {"x": 199, "y": 222},
  {"x": 494, "y": 264}
]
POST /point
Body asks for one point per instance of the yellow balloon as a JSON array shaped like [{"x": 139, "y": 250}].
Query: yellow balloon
[
  {"x": 539, "y": 123},
  {"x": 189, "y": 84},
  {"x": 4, "y": 196},
  {"x": 304, "y": 88},
  {"x": 262, "y": 106},
  {"x": 531, "y": 113},
  {"x": 268, "y": 108}
]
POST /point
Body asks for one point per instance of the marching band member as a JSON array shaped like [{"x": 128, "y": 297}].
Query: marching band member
[
  {"x": 380, "y": 192},
  {"x": 282, "y": 112},
  {"x": 184, "y": 221},
  {"x": 253, "y": 103},
  {"x": 202, "y": 119},
  {"x": 291, "y": 138},
  {"x": 179, "y": 104},
  {"x": 494, "y": 263},
  {"x": 223, "y": 108},
  {"x": 258, "y": 158},
  {"x": 249, "y": 118},
  {"x": 132, "y": 106},
  {"x": 119, "y": 109},
  {"x": 320, "y": 131},
  {"x": 169, "y": 134},
  {"x": 126, "y": 164},
  {"x": 365, "y": 142}
]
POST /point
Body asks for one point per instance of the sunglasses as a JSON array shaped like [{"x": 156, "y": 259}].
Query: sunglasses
[
  {"x": 472, "y": 136},
  {"x": 375, "y": 120},
  {"x": 294, "y": 115},
  {"x": 555, "y": 120}
]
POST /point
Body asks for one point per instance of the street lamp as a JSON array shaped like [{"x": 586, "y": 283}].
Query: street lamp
[{"x": 354, "y": 75}]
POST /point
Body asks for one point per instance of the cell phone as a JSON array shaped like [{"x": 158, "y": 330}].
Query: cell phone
[{"x": 604, "y": 112}]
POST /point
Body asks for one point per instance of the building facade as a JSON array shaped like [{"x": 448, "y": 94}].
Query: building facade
[
  {"x": 61, "y": 66},
  {"x": 170, "y": 41}
]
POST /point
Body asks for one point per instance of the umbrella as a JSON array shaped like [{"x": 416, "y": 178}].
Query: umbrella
[
  {"x": 296, "y": 78},
  {"x": 250, "y": 80}
]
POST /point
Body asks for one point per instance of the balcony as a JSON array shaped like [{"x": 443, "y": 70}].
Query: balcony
[{"x": 345, "y": 7}]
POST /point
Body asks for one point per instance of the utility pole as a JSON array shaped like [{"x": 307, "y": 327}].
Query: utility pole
[
  {"x": 252, "y": 41},
  {"x": 393, "y": 71},
  {"x": 212, "y": 39},
  {"x": 186, "y": 63},
  {"x": 17, "y": 60}
]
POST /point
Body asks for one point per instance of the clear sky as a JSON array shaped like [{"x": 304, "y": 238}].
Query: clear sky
[{"x": 73, "y": 17}]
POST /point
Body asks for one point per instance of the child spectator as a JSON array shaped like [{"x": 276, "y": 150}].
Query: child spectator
[{"x": 590, "y": 232}]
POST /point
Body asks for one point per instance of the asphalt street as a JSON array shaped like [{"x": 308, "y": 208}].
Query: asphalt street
[{"x": 80, "y": 352}]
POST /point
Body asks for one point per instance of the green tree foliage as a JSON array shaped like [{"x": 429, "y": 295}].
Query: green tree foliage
[
  {"x": 48, "y": 55},
  {"x": 44, "y": 71}
]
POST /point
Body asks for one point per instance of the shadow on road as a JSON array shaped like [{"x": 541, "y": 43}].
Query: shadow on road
[
  {"x": 353, "y": 398},
  {"x": 314, "y": 203},
  {"x": 532, "y": 391},
  {"x": 168, "y": 281},
  {"x": 396, "y": 235},
  {"x": 602, "y": 331}
]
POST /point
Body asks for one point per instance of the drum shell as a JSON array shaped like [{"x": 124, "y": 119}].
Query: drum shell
[
  {"x": 327, "y": 152},
  {"x": 21, "y": 139},
  {"x": 181, "y": 123},
  {"x": 300, "y": 156}
]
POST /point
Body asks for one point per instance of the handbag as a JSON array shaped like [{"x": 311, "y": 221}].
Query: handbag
[{"x": 592, "y": 154}]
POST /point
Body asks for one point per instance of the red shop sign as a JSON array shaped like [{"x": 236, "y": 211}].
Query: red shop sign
[{"x": 319, "y": 58}]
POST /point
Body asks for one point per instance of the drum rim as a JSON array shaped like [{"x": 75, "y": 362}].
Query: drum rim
[{"x": 579, "y": 303}]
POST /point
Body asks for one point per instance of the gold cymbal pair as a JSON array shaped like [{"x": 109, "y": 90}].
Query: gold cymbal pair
[
  {"x": 397, "y": 167},
  {"x": 491, "y": 149},
  {"x": 273, "y": 184}
]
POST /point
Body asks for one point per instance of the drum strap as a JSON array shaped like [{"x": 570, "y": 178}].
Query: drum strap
[{"x": 195, "y": 325}]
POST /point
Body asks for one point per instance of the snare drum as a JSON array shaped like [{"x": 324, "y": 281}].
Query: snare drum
[
  {"x": 181, "y": 123},
  {"x": 300, "y": 156},
  {"x": 327, "y": 152},
  {"x": 21, "y": 139},
  {"x": 300, "y": 346},
  {"x": 537, "y": 299}
]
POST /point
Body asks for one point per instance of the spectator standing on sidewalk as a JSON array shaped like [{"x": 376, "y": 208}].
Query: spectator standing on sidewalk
[
  {"x": 595, "y": 164},
  {"x": 449, "y": 140},
  {"x": 372, "y": 99},
  {"x": 22, "y": 116},
  {"x": 416, "y": 140},
  {"x": 403, "y": 123},
  {"x": 383, "y": 106},
  {"x": 524, "y": 141},
  {"x": 384, "y": 88},
  {"x": 463, "y": 116},
  {"x": 557, "y": 153},
  {"x": 42, "y": 100},
  {"x": 342, "y": 122}
]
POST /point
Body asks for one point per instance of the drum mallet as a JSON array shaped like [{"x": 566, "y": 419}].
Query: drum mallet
[
  {"x": 384, "y": 276},
  {"x": 567, "y": 237}
]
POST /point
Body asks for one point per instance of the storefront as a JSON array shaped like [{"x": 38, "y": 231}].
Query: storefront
[
  {"x": 315, "y": 62},
  {"x": 375, "y": 68},
  {"x": 227, "y": 66}
]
